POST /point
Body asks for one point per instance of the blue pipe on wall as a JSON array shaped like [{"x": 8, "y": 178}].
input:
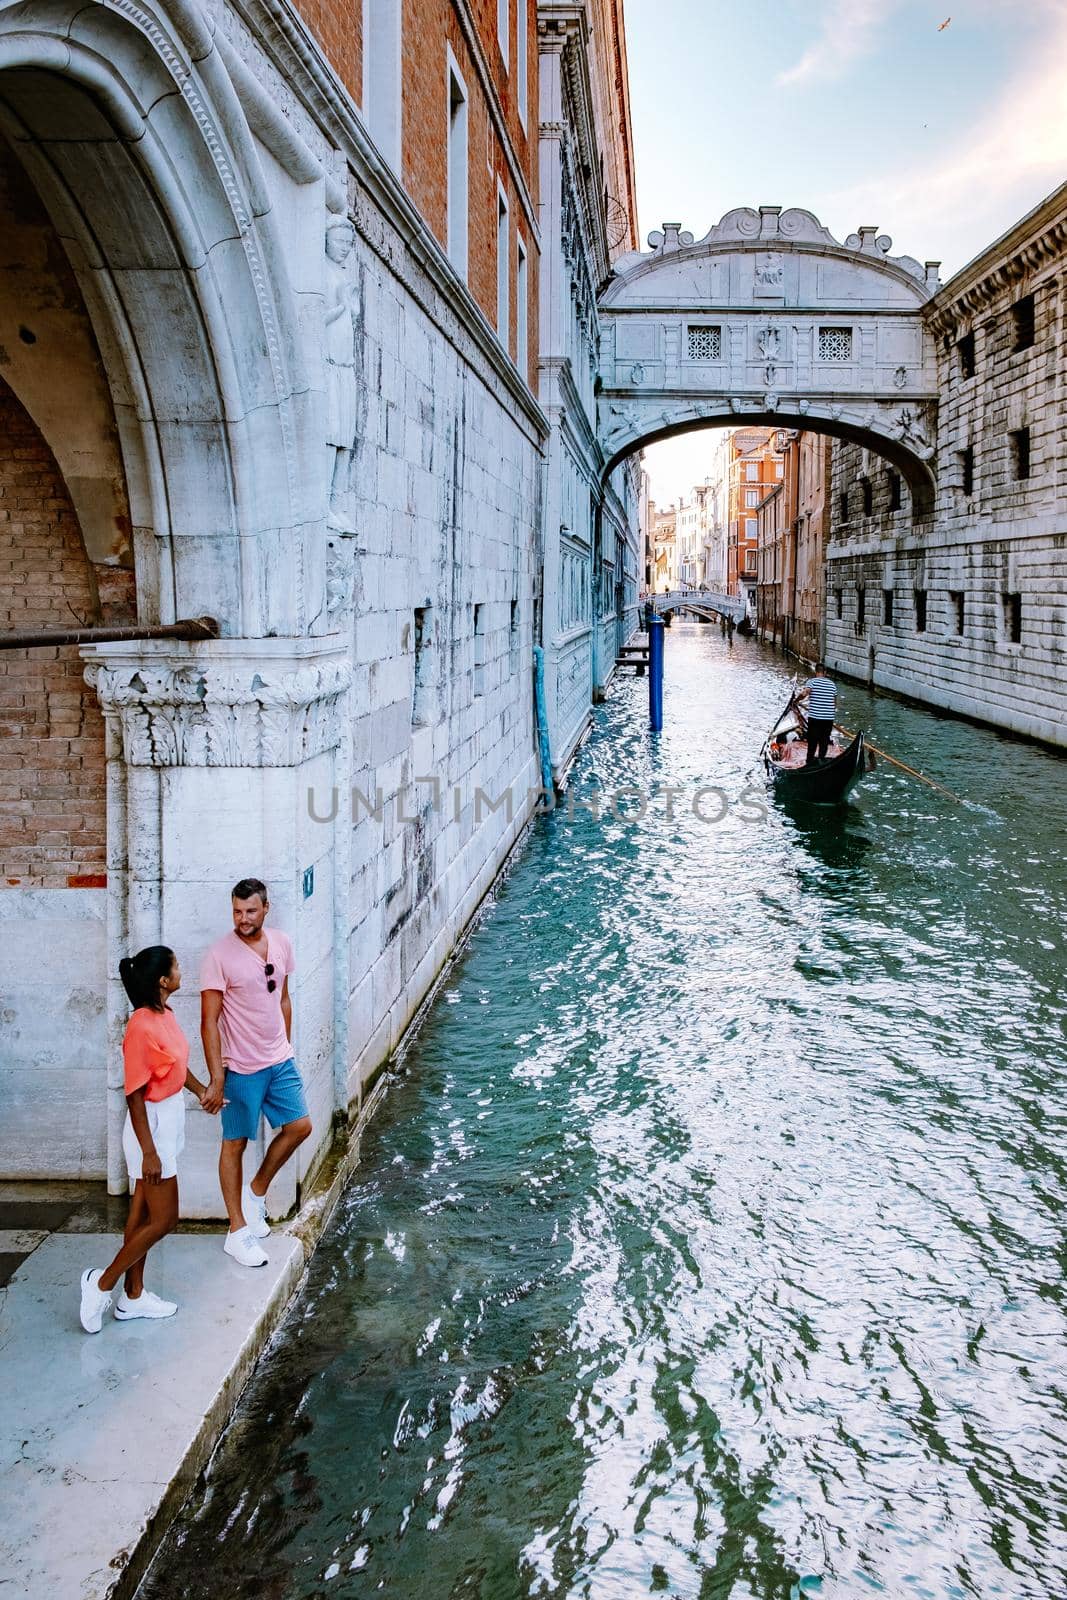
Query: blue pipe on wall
[{"x": 541, "y": 710}]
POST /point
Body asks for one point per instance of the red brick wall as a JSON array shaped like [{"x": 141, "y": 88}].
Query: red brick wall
[
  {"x": 51, "y": 730},
  {"x": 338, "y": 27}
]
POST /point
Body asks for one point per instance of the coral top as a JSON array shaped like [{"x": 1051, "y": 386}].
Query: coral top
[{"x": 156, "y": 1054}]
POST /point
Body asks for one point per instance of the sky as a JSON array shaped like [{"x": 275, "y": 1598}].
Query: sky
[{"x": 862, "y": 111}]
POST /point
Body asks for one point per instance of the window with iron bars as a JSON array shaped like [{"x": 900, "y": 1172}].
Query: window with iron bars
[
  {"x": 705, "y": 343},
  {"x": 835, "y": 344}
]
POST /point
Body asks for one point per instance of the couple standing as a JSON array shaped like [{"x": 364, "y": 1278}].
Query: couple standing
[{"x": 246, "y": 1020}]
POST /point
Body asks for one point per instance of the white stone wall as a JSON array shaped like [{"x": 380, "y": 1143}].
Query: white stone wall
[{"x": 1006, "y": 536}]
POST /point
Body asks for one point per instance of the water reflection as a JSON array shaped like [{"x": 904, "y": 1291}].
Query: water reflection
[{"x": 713, "y": 1245}]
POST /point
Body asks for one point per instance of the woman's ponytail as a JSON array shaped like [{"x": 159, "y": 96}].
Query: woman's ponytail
[{"x": 141, "y": 974}]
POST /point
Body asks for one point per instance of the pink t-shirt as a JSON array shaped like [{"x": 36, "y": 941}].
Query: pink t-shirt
[{"x": 251, "y": 1026}]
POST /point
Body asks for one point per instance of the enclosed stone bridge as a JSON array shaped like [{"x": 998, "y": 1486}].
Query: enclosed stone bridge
[
  {"x": 707, "y": 601},
  {"x": 770, "y": 320}
]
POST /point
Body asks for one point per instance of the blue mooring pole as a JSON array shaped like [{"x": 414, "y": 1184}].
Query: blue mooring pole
[{"x": 655, "y": 674}]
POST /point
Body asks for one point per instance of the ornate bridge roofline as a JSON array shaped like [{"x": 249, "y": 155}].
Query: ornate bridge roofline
[{"x": 770, "y": 319}]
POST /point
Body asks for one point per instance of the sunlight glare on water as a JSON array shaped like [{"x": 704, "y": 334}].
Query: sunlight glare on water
[{"x": 712, "y": 1243}]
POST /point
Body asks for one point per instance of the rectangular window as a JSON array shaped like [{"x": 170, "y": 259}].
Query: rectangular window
[
  {"x": 1022, "y": 316},
  {"x": 1020, "y": 452},
  {"x": 752, "y": 471},
  {"x": 423, "y": 691},
  {"x": 513, "y": 637},
  {"x": 920, "y": 610},
  {"x": 887, "y": 607},
  {"x": 966, "y": 461},
  {"x": 1013, "y": 617},
  {"x": 965, "y": 351},
  {"x": 839, "y": 602},
  {"x": 522, "y": 313},
  {"x": 957, "y": 607},
  {"x": 752, "y": 497},
  {"x": 503, "y": 28},
  {"x": 835, "y": 344},
  {"x": 457, "y": 169},
  {"x": 779, "y": 469},
  {"x": 751, "y": 527},
  {"x": 522, "y": 35},
  {"x": 868, "y": 496},
  {"x": 479, "y": 651},
  {"x": 894, "y": 491},
  {"x": 861, "y": 609},
  {"x": 705, "y": 343},
  {"x": 842, "y": 505},
  {"x": 503, "y": 269},
  {"x": 382, "y": 58}
]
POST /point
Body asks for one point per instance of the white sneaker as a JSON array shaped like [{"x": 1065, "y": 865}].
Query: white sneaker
[
  {"x": 244, "y": 1249},
  {"x": 95, "y": 1301},
  {"x": 147, "y": 1304},
  {"x": 254, "y": 1207}
]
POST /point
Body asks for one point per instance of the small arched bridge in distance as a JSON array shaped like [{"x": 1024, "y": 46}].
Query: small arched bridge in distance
[
  {"x": 707, "y": 601},
  {"x": 768, "y": 319}
]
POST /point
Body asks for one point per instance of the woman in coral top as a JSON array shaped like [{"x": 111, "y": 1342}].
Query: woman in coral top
[{"x": 156, "y": 1057}]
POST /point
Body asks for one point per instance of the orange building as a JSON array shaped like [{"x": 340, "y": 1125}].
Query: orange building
[
  {"x": 756, "y": 466},
  {"x": 793, "y": 523}
]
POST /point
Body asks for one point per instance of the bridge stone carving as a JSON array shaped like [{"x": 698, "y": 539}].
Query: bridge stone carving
[{"x": 768, "y": 319}]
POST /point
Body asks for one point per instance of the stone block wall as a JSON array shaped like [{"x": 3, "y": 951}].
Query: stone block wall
[{"x": 977, "y": 619}]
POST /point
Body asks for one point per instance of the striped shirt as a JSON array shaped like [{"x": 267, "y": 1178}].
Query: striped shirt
[{"x": 822, "y": 699}]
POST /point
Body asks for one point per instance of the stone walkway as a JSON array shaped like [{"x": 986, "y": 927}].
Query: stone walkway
[{"x": 102, "y": 1435}]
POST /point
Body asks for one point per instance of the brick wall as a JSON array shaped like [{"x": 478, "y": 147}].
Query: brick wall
[{"x": 51, "y": 731}]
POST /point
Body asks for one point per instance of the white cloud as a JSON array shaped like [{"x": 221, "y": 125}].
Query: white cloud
[
  {"x": 991, "y": 174},
  {"x": 849, "y": 31}
]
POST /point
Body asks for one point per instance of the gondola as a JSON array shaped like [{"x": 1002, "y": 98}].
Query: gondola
[{"x": 825, "y": 782}]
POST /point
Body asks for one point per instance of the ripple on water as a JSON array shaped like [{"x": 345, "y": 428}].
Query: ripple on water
[{"x": 712, "y": 1245}]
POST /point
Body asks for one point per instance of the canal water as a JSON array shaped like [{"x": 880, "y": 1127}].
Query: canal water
[{"x": 711, "y": 1244}]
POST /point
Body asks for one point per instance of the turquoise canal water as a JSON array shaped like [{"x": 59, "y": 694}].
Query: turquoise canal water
[{"x": 712, "y": 1243}]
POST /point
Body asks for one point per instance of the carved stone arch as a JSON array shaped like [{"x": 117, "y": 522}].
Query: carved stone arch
[
  {"x": 769, "y": 319},
  {"x": 127, "y": 122}
]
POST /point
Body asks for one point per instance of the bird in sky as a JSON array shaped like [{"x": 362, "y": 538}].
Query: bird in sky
[{"x": 944, "y": 25}]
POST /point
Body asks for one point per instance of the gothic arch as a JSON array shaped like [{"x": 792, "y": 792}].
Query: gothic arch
[
  {"x": 770, "y": 320},
  {"x": 126, "y": 120}
]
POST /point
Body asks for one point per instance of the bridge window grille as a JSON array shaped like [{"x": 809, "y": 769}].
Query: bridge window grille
[
  {"x": 887, "y": 607},
  {"x": 842, "y": 505},
  {"x": 867, "y": 489},
  {"x": 1020, "y": 452},
  {"x": 920, "y": 610},
  {"x": 861, "y": 609},
  {"x": 479, "y": 651},
  {"x": 839, "y": 600},
  {"x": 835, "y": 344},
  {"x": 958, "y": 603},
  {"x": 894, "y": 491},
  {"x": 705, "y": 343}
]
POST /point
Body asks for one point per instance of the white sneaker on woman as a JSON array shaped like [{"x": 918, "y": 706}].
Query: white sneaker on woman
[
  {"x": 95, "y": 1300},
  {"x": 244, "y": 1249},
  {"x": 147, "y": 1304},
  {"x": 254, "y": 1207}
]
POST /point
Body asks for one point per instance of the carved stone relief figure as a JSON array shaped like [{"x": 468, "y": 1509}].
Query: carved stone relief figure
[
  {"x": 342, "y": 393},
  {"x": 912, "y": 431},
  {"x": 340, "y": 572},
  {"x": 770, "y": 344},
  {"x": 769, "y": 273},
  {"x": 900, "y": 377}
]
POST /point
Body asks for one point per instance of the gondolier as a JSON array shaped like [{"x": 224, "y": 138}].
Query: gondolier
[{"x": 819, "y": 695}]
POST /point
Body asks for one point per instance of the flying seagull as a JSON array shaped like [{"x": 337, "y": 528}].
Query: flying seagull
[{"x": 944, "y": 25}]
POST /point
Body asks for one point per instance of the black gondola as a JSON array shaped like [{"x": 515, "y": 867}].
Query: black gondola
[{"x": 823, "y": 782}]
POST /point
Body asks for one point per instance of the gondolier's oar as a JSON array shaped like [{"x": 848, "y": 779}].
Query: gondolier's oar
[{"x": 884, "y": 754}]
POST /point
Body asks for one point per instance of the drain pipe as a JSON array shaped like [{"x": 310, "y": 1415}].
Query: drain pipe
[
  {"x": 541, "y": 708},
  {"x": 35, "y": 639}
]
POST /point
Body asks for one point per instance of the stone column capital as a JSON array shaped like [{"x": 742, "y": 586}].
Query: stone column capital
[{"x": 220, "y": 702}]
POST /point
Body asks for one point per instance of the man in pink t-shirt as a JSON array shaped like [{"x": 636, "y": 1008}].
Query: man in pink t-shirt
[{"x": 246, "y": 1023}]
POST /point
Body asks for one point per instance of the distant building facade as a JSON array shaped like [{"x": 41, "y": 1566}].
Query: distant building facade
[
  {"x": 755, "y": 466},
  {"x": 793, "y": 522},
  {"x": 966, "y": 607}
]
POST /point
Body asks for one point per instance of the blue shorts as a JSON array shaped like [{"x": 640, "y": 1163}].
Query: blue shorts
[{"x": 275, "y": 1093}]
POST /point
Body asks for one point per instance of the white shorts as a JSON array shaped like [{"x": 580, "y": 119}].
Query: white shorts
[{"x": 166, "y": 1118}]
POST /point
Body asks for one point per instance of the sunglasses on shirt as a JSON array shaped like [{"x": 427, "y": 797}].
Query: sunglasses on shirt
[{"x": 269, "y": 972}]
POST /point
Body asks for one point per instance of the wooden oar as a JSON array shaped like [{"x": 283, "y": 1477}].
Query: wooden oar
[{"x": 885, "y": 756}]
